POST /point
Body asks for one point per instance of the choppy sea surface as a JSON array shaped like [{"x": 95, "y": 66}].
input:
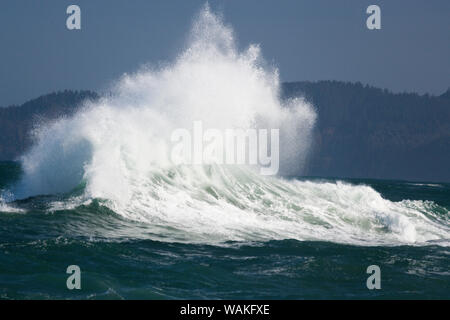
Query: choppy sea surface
[
  {"x": 317, "y": 257},
  {"x": 101, "y": 190}
]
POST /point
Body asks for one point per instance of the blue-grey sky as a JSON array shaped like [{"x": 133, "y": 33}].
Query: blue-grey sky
[{"x": 306, "y": 39}]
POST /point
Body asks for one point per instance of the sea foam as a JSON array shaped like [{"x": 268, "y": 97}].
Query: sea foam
[{"x": 118, "y": 148}]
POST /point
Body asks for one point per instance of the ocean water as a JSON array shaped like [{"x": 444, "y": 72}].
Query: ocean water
[
  {"x": 100, "y": 190},
  {"x": 124, "y": 259}
]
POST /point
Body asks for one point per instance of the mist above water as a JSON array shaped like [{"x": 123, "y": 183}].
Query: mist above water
[{"x": 128, "y": 133}]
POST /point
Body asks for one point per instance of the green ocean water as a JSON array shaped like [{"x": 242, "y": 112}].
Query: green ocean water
[{"x": 120, "y": 259}]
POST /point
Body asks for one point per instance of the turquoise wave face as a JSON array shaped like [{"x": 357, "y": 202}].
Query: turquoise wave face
[{"x": 121, "y": 257}]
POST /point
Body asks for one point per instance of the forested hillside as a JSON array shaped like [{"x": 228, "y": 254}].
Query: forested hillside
[
  {"x": 16, "y": 122},
  {"x": 366, "y": 132}
]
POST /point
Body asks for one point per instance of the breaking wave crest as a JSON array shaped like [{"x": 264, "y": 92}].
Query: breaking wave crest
[{"x": 118, "y": 150}]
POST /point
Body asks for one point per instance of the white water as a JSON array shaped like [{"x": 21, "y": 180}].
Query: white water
[
  {"x": 6, "y": 207},
  {"x": 120, "y": 147}
]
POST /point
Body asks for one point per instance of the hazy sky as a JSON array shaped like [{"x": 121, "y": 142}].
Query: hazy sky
[{"x": 306, "y": 39}]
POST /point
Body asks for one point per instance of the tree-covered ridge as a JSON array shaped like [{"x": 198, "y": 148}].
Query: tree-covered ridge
[
  {"x": 16, "y": 122},
  {"x": 361, "y": 131},
  {"x": 366, "y": 132}
]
